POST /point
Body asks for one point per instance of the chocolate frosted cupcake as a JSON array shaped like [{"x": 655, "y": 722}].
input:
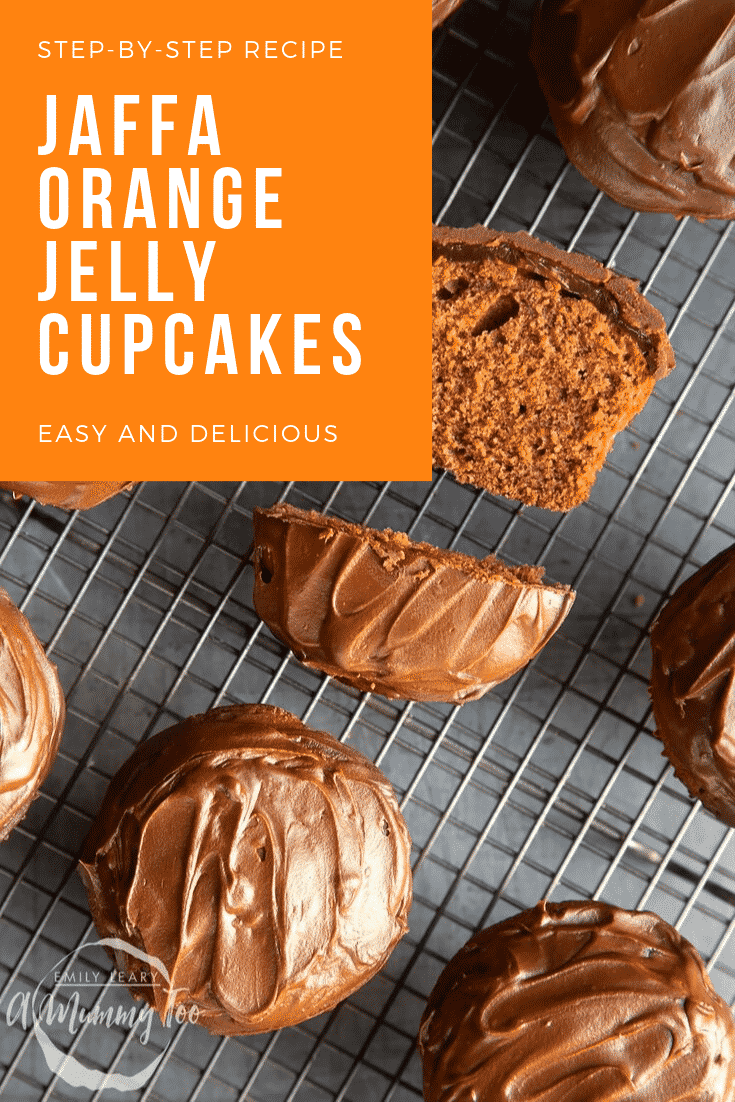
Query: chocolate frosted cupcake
[
  {"x": 577, "y": 1002},
  {"x": 32, "y": 713},
  {"x": 67, "y": 495},
  {"x": 693, "y": 684},
  {"x": 264, "y": 864},
  {"x": 539, "y": 358},
  {"x": 643, "y": 97},
  {"x": 384, "y": 614}
]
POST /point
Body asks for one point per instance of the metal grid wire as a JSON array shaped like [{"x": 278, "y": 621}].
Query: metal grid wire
[{"x": 551, "y": 785}]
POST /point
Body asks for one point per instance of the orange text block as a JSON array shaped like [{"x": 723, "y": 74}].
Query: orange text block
[{"x": 217, "y": 260}]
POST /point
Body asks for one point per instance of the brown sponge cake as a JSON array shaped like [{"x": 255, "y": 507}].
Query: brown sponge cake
[
  {"x": 385, "y": 614},
  {"x": 539, "y": 358}
]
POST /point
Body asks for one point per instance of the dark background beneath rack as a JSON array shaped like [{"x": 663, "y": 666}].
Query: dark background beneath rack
[{"x": 552, "y": 785}]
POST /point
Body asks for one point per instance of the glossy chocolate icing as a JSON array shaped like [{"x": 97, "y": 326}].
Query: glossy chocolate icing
[
  {"x": 264, "y": 863},
  {"x": 693, "y": 683},
  {"x": 67, "y": 495},
  {"x": 384, "y": 614},
  {"x": 642, "y": 94},
  {"x": 441, "y": 10},
  {"x": 32, "y": 712},
  {"x": 577, "y": 1002}
]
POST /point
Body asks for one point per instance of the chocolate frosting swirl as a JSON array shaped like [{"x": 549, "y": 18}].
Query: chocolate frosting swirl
[
  {"x": 642, "y": 93},
  {"x": 67, "y": 495},
  {"x": 693, "y": 683},
  {"x": 264, "y": 863},
  {"x": 577, "y": 1002},
  {"x": 388, "y": 615},
  {"x": 32, "y": 712}
]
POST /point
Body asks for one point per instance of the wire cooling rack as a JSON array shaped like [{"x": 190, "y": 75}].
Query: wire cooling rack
[{"x": 552, "y": 785}]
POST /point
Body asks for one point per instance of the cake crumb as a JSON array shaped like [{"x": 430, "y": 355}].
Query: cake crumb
[
  {"x": 639, "y": 600},
  {"x": 391, "y": 556}
]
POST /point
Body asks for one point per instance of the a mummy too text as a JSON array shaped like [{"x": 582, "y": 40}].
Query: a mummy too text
[{"x": 220, "y": 193}]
